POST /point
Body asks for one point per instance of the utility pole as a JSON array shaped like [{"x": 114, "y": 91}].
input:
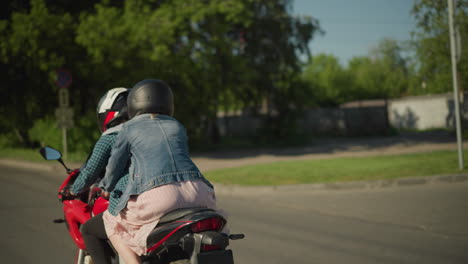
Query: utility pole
[{"x": 454, "y": 50}]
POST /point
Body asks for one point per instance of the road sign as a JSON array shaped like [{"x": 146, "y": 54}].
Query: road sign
[
  {"x": 64, "y": 78},
  {"x": 64, "y": 117},
  {"x": 64, "y": 113},
  {"x": 63, "y": 97}
]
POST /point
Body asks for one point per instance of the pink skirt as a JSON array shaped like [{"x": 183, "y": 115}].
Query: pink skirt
[{"x": 134, "y": 223}]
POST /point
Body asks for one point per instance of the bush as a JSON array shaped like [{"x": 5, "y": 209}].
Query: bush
[
  {"x": 45, "y": 132},
  {"x": 85, "y": 133},
  {"x": 81, "y": 138},
  {"x": 8, "y": 140}
]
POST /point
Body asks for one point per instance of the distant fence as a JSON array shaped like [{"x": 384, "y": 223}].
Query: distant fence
[
  {"x": 359, "y": 118},
  {"x": 372, "y": 117}
]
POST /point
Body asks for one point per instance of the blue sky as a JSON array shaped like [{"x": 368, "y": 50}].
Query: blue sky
[{"x": 353, "y": 27}]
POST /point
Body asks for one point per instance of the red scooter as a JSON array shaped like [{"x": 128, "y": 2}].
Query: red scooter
[{"x": 189, "y": 235}]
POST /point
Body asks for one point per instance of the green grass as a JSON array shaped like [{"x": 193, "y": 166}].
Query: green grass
[
  {"x": 33, "y": 155},
  {"x": 310, "y": 171},
  {"x": 340, "y": 169}
]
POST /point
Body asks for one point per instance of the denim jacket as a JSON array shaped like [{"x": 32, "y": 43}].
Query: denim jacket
[{"x": 156, "y": 151}]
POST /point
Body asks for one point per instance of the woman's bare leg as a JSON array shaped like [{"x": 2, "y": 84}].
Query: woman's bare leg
[{"x": 124, "y": 251}]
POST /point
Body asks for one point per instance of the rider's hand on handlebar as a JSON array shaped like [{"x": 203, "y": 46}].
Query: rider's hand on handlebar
[
  {"x": 67, "y": 194},
  {"x": 105, "y": 195}
]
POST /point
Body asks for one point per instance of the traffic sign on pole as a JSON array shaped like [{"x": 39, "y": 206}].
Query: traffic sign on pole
[
  {"x": 64, "y": 113},
  {"x": 64, "y": 78},
  {"x": 63, "y": 97},
  {"x": 64, "y": 117}
]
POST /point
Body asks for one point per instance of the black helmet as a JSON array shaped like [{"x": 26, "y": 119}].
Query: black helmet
[
  {"x": 112, "y": 108},
  {"x": 150, "y": 96}
]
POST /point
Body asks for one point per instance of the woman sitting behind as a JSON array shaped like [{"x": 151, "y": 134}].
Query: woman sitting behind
[{"x": 162, "y": 175}]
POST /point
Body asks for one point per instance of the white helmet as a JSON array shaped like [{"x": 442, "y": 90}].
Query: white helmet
[{"x": 112, "y": 108}]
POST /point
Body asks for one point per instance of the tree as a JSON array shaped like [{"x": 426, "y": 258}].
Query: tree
[
  {"x": 30, "y": 53},
  {"x": 38, "y": 37},
  {"x": 274, "y": 42},
  {"x": 215, "y": 54},
  {"x": 432, "y": 45},
  {"x": 189, "y": 44},
  {"x": 383, "y": 74},
  {"x": 330, "y": 84}
]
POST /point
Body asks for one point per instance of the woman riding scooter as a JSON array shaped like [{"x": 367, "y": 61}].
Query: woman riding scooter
[{"x": 111, "y": 113}]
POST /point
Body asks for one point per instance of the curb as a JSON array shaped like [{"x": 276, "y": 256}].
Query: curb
[{"x": 258, "y": 190}]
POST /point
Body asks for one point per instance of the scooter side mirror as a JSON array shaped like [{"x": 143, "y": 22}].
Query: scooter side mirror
[{"x": 50, "y": 153}]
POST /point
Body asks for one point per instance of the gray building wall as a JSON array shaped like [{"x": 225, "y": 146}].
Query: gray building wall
[{"x": 423, "y": 112}]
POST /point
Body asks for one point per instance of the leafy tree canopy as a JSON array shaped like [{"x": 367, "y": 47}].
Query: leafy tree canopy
[
  {"x": 432, "y": 45},
  {"x": 215, "y": 54}
]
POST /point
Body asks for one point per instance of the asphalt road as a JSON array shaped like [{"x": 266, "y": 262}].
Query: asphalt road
[
  {"x": 410, "y": 224},
  {"x": 413, "y": 224},
  {"x": 28, "y": 204}
]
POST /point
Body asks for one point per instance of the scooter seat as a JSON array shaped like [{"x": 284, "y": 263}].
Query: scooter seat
[{"x": 179, "y": 213}]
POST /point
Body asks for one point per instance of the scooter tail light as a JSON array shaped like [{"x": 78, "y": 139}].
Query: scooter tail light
[{"x": 214, "y": 223}]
